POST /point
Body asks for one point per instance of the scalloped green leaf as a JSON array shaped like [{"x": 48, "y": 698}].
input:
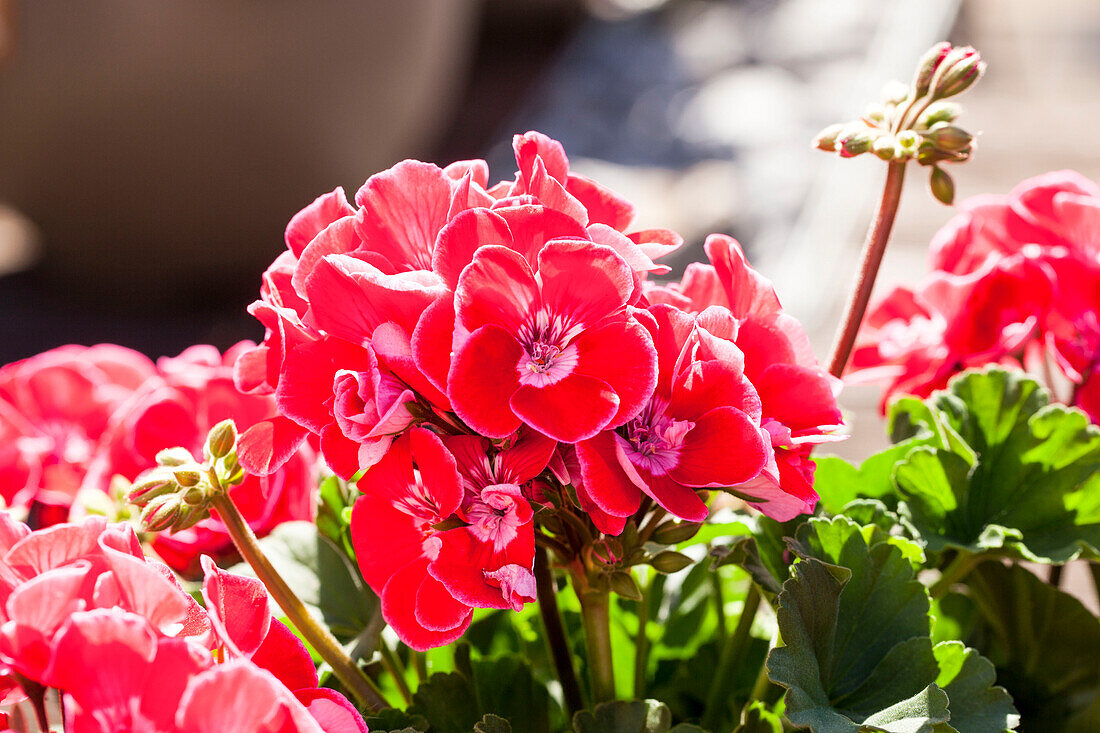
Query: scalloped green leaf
[
  {"x": 1044, "y": 645},
  {"x": 625, "y": 716},
  {"x": 1024, "y": 481},
  {"x": 858, "y": 654},
  {"x": 978, "y": 705}
]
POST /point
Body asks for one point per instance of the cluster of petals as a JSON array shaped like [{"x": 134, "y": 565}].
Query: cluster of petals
[
  {"x": 76, "y": 417},
  {"x": 83, "y": 611},
  {"x": 443, "y": 331},
  {"x": 1014, "y": 279}
]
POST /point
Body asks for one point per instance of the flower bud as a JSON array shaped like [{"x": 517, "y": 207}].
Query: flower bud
[
  {"x": 960, "y": 74},
  {"x": 909, "y": 142},
  {"x": 194, "y": 496},
  {"x": 673, "y": 533},
  {"x": 187, "y": 476},
  {"x": 826, "y": 139},
  {"x": 939, "y": 112},
  {"x": 623, "y": 584},
  {"x": 927, "y": 66},
  {"x": 943, "y": 187},
  {"x": 949, "y": 137},
  {"x": 161, "y": 513},
  {"x": 221, "y": 440},
  {"x": 190, "y": 516},
  {"x": 151, "y": 485},
  {"x": 875, "y": 112},
  {"x": 887, "y": 148},
  {"x": 855, "y": 142},
  {"x": 669, "y": 561},
  {"x": 174, "y": 457}
]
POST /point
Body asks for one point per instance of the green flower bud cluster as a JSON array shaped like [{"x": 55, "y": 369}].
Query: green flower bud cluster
[
  {"x": 177, "y": 493},
  {"x": 609, "y": 560},
  {"x": 914, "y": 122}
]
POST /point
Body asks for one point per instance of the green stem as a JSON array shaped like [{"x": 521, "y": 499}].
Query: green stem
[
  {"x": 547, "y": 593},
  {"x": 878, "y": 235},
  {"x": 1055, "y": 577},
  {"x": 641, "y": 640},
  {"x": 719, "y": 605},
  {"x": 353, "y": 678},
  {"x": 955, "y": 571},
  {"x": 396, "y": 670},
  {"x": 420, "y": 662},
  {"x": 732, "y": 652},
  {"x": 596, "y": 614}
]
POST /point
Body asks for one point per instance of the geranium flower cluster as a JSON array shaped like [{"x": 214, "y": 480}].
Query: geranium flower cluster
[
  {"x": 82, "y": 610},
  {"x": 1015, "y": 280},
  {"x": 75, "y": 417},
  {"x": 456, "y": 340}
]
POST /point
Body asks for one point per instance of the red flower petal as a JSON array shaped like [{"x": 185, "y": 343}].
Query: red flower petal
[
  {"x": 399, "y": 601},
  {"x": 682, "y": 501},
  {"x": 402, "y": 211},
  {"x": 237, "y": 606},
  {"x": 497, "y": 288},
  {"x": 604, "y": 207},
  {"x": 620, "y": 354},
  {"x": 460, "y": 239},
  {"x": 582, "y": 281},
  {"x": 284, "y": 655},
  {"x": 307, "y": 223},
  {"x": 573, "y": 409},
  {"x": 483, "y": 379},
  {"x": 266, "y": 446},
  {"x": 724, "y": 448},
  {"x": 605, "y": 482}
]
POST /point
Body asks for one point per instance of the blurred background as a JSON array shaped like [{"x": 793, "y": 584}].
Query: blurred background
[{"x": 152, "y": 152}]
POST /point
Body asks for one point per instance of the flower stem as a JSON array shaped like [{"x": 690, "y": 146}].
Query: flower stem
[
  {"x": 353, "y": 678},
  {"x": 547, "y": 594},
  {"x": 596, "y": 613},
  {"x": 732, "y": 652},
  {"x": 955, "y": 571},
  {"x": 1094, "y": 568},
  {"x": 1055, "y": 577},
  {"x": 396, "y": 670},
  {"x": 878, "y": 234}
]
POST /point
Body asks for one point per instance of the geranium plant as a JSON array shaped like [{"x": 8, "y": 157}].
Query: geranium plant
[{"x": 488, "y": 471}]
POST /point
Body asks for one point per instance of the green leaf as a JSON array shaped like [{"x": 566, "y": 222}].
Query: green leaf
[
  {"x": 625, "y": 716},
  {"x": 1012, "y": 474},
  {"x": 858, "y": 654},
  {"x": 758, "y": 719},
  {"x": 325, "y": 580},
  {"x": 763, "y": 554},
  {"x": 448, "y": 702},
  {"x": 393, "y": 720},
  {"x": 1044, "y": 644},
  {"x": 977, "y": 705},
  {"x": 493, "y": 724}
]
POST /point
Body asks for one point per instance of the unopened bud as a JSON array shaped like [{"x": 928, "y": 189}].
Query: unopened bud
[
  {"x": 939, "y": 112},
  {"x": 826, "y": 139},
  {"x": 190, "y": 516},
  {"x": 855, "y": 142},
  {"x": 151, "y": 485},
  {"x": 187, "y": 476},
  {"x": 909, "y": 142},
  {"x": 195, "y": 496},
  {"x": 623, "y": 584},
  {"x": 161, "y": 513},
  {"x": 887, "y": 148},
  {"x": 927, "y": 66},
  {"x": 174, "y": 457},
  {"x": 961, "y": 74},
  {"x": 943, "y": 187},
  {"x": 949, "y": 137},
  {"x": 221, "y": 440},
  {"x": 875, "y": 112},
  {"x": 669, "y": 561},
  {"x": 673, "y": 533}
]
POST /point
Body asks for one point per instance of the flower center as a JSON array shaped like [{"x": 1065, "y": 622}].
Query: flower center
[
  {"x": 653, "y": 440},
  {"x": 496, "y": 514},
  {"x": 544, "y": 363}
]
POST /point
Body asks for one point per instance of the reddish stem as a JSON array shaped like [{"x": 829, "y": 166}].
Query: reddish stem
[{"x": 873, "y": 248}]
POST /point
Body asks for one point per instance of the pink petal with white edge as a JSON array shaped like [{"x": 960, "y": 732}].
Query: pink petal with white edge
[
  {"x": 722, "y": 449},
  {"x": 238, "y": 696},
  {"x": 467, "y": 195},
  {"x": 604, "y": 480},
  {"x": 237, "y": 606},
  {"x": 628, "y": 250},
  {"x": 583, "y": 282},
  {"x": 307, "y": 223},
  {"x": 604, "y": 207},
  {"x": 332, "y": 711},
  {"x": 657, "y": 243},
  {"x": 572, "y": 409},
  {"x": 497, "y": 288},
  {"x": 621, "y": 354},
  {"x": 476, "y": 169},
  {"x": 350, "y": 298},
  {"x": 462, "y": 236},
  {"x": 399, "y": 604},
  {"x": 338, "y": 238},
  {"x": 531, "y": 145},
  {"x": 678, "y": 499},
  {"x": 533, "y": 225},
  {"x": 402, "y": 211},
  {"x": 266, "y": 446},
  {"x": 483, "y": 379},
  {"x": 749, "y": 292},
  {"x": 550, "y": 192}
]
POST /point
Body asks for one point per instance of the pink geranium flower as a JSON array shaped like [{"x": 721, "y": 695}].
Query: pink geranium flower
[
  {"x": 190, "y": 394},
  {"x": 555, "y": 348},
  {"x": 54, "y": 408},
  {"x": 699, "y": 429}
]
